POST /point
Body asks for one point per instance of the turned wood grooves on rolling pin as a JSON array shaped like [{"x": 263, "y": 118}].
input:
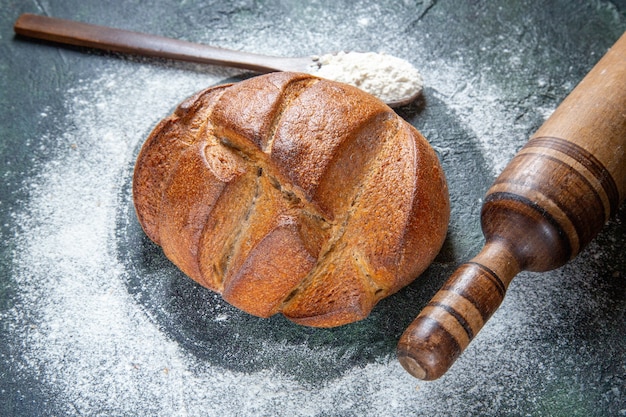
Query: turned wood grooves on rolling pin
[
  {"x": 576, "y": 212},
  {"x": 549, "y": 202}
]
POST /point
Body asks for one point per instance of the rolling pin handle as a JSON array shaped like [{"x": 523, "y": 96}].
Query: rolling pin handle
[{"x": 454, "y": 316}]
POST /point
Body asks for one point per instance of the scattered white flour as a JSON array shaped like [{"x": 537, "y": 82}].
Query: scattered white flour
[
  {"x": 81, "y": 333},
  {"x": 84, "y": 344},
  {"x": 480, "y": 108},
  {"x": 387, "y": 77},
  {"x": 85, "y": 337}
]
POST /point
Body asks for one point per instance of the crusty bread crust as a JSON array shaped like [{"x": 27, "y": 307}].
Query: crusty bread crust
[{"x": 289, "y": 193}]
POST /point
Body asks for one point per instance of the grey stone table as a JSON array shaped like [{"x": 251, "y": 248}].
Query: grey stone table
[{"x": 95, "y": 321}]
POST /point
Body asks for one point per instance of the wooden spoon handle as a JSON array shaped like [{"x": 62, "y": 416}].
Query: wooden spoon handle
[
  {"x": 548, "y": 203},
  {"x": 117, "y": 40}
]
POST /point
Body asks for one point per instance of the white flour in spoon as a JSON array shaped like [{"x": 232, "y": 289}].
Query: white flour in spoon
[
  {"x": 385, "y": 76},
  {"x": 83, "y": 336}
]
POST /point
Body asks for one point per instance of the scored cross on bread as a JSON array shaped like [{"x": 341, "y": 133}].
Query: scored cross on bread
[{"x": 294, "y": 194}]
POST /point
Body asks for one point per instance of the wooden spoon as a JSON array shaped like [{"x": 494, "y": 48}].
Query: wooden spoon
[{"x": 118, "y": 40}]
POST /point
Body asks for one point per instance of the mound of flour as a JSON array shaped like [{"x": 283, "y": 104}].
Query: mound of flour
[{"x": 385, "y": 76}]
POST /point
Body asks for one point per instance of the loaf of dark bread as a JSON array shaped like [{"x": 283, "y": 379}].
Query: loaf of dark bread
[{"x": 289, "y": 193}]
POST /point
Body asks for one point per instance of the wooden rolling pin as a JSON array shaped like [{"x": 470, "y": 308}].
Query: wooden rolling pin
[{"x": 548, "y": 203}]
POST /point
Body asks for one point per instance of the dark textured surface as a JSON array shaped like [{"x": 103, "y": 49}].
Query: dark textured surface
[{"x": 493, "y": 72}]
